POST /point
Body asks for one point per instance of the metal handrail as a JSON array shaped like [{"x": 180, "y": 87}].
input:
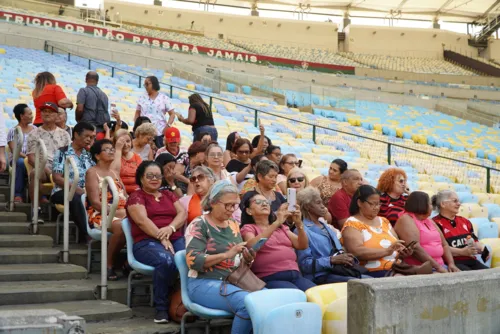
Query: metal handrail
[
  {"x": 106, "y": 221},
  {"x": 18, "y": 144},
  {"x": 40, "y": 153},
  {"x": 68, "y": 196}
]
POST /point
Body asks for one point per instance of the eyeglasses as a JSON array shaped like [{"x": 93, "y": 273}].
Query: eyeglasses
[
  {"x": 243, "y": 152},
  {"x": 262, "y": 202},
  {"x": 293, "y": 163},
  {"x": 230, "y": 206},
  {"x": 197, "y": 178},
  {"x": 151, "y": 176},
  {"x": 109, "y": 150},
  {"x": 455, "y": 201},
  {"x": 402, "y": 181},
  {"x": 215, "y": 155},
  {"x": 296, "y": 179},
  {"x": 373, "y": 205}
]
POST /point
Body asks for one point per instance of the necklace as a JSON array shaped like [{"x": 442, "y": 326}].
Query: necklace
[
  {"x": 157, "y": 198},
  {"x": 270, "y": 198}
]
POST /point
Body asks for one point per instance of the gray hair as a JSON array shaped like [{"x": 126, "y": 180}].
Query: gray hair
[
  {"x": 219, "y": 189},
  {"x": 211, "y": 146},
  {"x": 305, "y": 197},
  {"x": 208, "y": 172},
  {"x": 264, "y": 167},
  {"x": 441, "y": 197},
  {"x": 348, "y": 173}
]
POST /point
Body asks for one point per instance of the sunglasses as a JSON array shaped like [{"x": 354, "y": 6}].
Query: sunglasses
[
  {"x": 151, "y": 176},
  {"x": 262, "y": 202},
  {"x": 296, "y": 179},
  {"x": 197, "y": 178}
]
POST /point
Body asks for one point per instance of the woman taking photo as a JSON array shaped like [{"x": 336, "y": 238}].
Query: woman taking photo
[
  {"x": 457, "y": 231},
  {"x": 47, "y": 90},
  {"x": 369, "y": 237},
  {"x": 214, "y": 250},
  {"x": 103, "y": 155},
  {"x": 392, "y": 184},
  {"x": 126, "y": 160},
  {"x": 157, "y": 219},
  {"x": 328, "y": 185},
  {"x": 287, "y": 163},
  {"x": 144, "y": 135},
  {"x": 415, "y": 225},
  {"x": 155, "y": 105},
  {"x": 199, "y": 117},
  {"x": 276, "y": 261}
]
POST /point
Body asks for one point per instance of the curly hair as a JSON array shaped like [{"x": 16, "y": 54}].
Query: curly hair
[
  {"x": 145, "y": 129},
  {"x": 387, "y": 179}
]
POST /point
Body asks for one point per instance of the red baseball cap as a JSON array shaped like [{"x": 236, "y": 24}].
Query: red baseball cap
[
  {"x": 51, "y": 106},
  {"x": 172, "y": 135}
]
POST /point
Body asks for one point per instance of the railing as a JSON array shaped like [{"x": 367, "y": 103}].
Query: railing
[
  {"x": 18, "y": 144},
  {"x": 106, "y": 220},
  {"x": 40, "y": 161},
  {"x": 68, "y": 196},
  {"x": 212, "y": 99}
]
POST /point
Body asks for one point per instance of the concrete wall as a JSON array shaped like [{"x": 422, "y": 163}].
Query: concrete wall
[
  {"x": 406, "y": 42},
  {"x": 493, "y": 50},
  {"x": 460, "y": 303},
  {"x": 39, "y": 6}
]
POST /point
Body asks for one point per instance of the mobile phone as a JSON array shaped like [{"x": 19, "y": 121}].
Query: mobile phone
[
  {"x": 300, "y": 163},
  {"x": 291, "y": 197},
  {"x": 259, "y": 244},
  {"x": 485, "y": 254}
]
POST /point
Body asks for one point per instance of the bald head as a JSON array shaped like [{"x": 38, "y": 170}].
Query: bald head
[
  {"x": 351, "y": 180},
  {"x": 92, "y": 77}
]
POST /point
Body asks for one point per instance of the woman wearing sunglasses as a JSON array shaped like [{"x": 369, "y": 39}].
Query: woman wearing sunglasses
[
  {"x": 297, "y": 179},
  {"x": 392, "y": 184},
  {"x": 287, "y": 163},
  {"x": 157, "y": 219}
]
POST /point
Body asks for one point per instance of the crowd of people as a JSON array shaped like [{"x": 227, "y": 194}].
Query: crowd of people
[{"x": 218, "y": 203}]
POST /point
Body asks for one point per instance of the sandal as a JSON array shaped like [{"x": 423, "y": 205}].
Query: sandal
[
  {"x": 126, "y": 270},
  {"x": 112, "y": 276}
]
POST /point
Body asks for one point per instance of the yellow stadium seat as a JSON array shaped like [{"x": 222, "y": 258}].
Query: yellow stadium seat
[
  {"x": 484, "y": 198},
  {"x": 495, "y": 257},
  {"x": 324, "y": 295},
  {"x": 335, "y": 317},
  {"x": 464, "y": 212},
  {"x": 476, "y": 211},
  {"x": 2, "y": 51},
  {"x": 190, "y": 86}
]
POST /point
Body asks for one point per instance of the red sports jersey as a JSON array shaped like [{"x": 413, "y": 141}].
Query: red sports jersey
[
  {"x": 391, "y": 208},
  {"x": 456, "y": 232}
]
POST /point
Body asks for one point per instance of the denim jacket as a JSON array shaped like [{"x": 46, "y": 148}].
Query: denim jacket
[{"x": 320, "y": 249}]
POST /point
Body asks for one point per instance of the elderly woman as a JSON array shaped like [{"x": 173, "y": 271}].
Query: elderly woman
[
  {"x": 251, "y": 182},
  {"x": 328, "y": 185},
  {"x": 103, "y": 155},
  {"x": 297, "y": 179},
  {"x": 324, "y": 261},
  {"x": 276, "y": 261},
  {"x": 287, "y": 163},
  {"x": 457, "y": 231},
  {"x": 392, "y": 184},
  {"x": 213, "y": 159},
  {"x": 265, "y": 176},
  {"x": 369, "y": 237},
  {"x": 155, "y": 105},
  {"x": 126, "y": 160},
  {"x": 143, "y": 136},
  {"x": 415, "y": 225},
  {"x": 214, "y": 250},
  {"x": 157, "y": 218}
]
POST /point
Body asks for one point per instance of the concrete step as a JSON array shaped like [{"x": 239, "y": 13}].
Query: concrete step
[
  {"x": 44, "y": 229},
  {"x": 90, "y": 310},
  {"x": 18, "y": 207},
  {"x": 3, "y": 198},
  {"x": 78, "y": 255},
  {"x": 25, "y": 240},
  {"x": 36, "y": 272},
  {"x": 5, "y": 191},
  {"x": 11, "y": 217}
]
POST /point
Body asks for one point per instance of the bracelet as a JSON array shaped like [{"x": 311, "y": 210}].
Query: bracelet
[{"x": 173, "y": 228}]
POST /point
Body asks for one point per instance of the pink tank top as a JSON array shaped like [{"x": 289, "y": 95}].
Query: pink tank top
[{"x": 430, "y": 240}]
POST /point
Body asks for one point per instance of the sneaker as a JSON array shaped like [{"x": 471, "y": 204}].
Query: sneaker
[
  {"x": 18, "y": 199},
  {"x": 161, "y": 317}
]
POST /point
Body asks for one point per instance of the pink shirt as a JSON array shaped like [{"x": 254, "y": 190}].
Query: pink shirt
[
  {"x": 430, "y": 240},
  {"x": 276, "y": 255}
]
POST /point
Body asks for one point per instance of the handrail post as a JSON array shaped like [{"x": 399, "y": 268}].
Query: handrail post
[
  {"x": 18, "y": 144},
  {"x": 89, "y": 63},
  {"x": 389, "y": 153},
  {"x": 488, "y": 181},
  {"x": 105, "y": 221},
  {"x": 41, "y": 152},
  {"x": 210, "y": 103},
  {"x": 52, "y": 52},
  {"x": 172, "y": 93},
  {"x": 140, "y": 81},
  {"x": 256, "y": 118},
  {"x": 68, "y": 196},
  {"x": 112, "y": 71},
  {"x": 314, "y": 133},
  {"x": 69, "y": 56}
]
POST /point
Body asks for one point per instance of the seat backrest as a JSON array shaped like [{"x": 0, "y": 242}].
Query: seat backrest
[
  {"x": 127, "y": 231},
  {"x": 325, "y": 294},
  {"x": 180, "y": 263},
  {"x": 84, "y": 203},
  {"x": 292, "y": 318}
]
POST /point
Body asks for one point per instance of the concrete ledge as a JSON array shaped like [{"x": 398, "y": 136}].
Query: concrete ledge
[{"x": 461, "y": 303}]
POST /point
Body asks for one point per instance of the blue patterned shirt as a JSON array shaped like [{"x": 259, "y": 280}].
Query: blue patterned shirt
[{"x": 83, "y": 163}]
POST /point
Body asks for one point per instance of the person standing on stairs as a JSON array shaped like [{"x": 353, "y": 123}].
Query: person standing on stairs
[
  {"x": 92, "y": 103},
  {"x": 83, "y": 137}
]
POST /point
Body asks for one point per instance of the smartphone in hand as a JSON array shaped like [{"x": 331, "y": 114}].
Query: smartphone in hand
[
  {"x": 291, "y": 197},
  {"x": 258, "y": 245}
]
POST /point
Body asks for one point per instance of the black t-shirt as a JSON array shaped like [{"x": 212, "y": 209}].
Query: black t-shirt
[
  {"x": 235, "y": 166},
  {"x": 202, "y": 118}
]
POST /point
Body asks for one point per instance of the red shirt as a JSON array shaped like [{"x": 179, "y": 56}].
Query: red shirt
[
  {"x": 161, "y": 213},
  {"x": 338, "y": 206},
  {"x": 456, "y": 232},
  {"x": 51, "y": 93},
  {"x": 391, "y": 208}
]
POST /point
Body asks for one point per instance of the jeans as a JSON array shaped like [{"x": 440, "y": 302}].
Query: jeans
[
  {"x": 21, "y": 175},
  {"x": 206, "y": 292},
  {"x": 76, "y": 209},
  {"x": 466, "y": 265},
  {"x": 210, "y": 129},
  {"x": 152, "y": 253},
  {"x": 289, "y": 279}
]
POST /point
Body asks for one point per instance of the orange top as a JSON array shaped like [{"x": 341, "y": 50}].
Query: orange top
[
  {"x": 50, "y": 93},
  {"x": 127, "y": 172},
  {"x": 375, "y": 237}
]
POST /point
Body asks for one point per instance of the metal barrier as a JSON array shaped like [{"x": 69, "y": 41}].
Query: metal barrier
[
  {"x": 68, "y": 196},
  {"x": 40, "y": 161},
  {"x": 106, "y": 220},
  {"x": 18, "y": 144}
]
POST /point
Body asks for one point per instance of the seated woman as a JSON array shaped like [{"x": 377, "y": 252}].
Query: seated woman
[
  {"x": 276, "y": 261},
  {"x": 251, "y": 182},
  {"x": 369, "y": 237},
  {"x": 392, "y": 184},
  {"x": 126, "y": 160},
  {"x": 144, "y": 136},
  {"x": 228, "y": 153},
  {"x": 273, "y": 153},
  {"x": 457, "y": 231},
  {"x": 265, "y": 177},
  {"x": 157, "y": 218},
  {"x": 214, "y": 250},
  {"x": 297, "y": 179},
  {"x": 103, "y": 155},
  {"x": 213, "y": 160},
  {"x": 415, "y": 225},
  {"x": 329, "y": 184},
  {"x": 287, "y": 163},
  {"x": 138, "y": 122},
  {"x": 323, "y": 261}
]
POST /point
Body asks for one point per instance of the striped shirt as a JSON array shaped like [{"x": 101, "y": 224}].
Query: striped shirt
[{"x": 391, "y": 208}]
